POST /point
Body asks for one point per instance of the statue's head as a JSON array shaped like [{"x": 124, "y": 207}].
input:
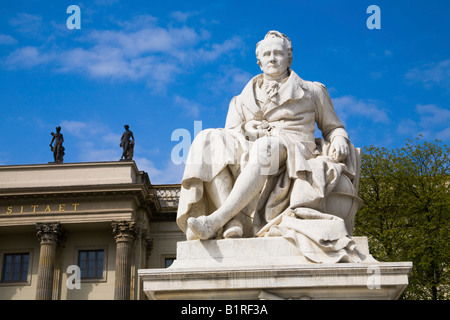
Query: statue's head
[
  {"x": 58, "y": 129},
  {"x": 274, "y": 53},
  {"x": 126, "y": 127}
]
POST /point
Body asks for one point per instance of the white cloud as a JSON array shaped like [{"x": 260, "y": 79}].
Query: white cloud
[
  {"x": 137, "y": 22},
  {"x": 137, "y": 52},
  {"x": 105, "y": 2},
  {"x": 443, "y": 135},
  {"x": 90, "y": 151},
  {"x": 148, "y": 166},
  {"x": 183, "y": 16},
  {"x": 109, "y": 62},
  {"x": 145, "y": 40},
  {"x": 169, "y": 173},
  {"x": 407, "y": 127},
  {"x": 218, "y": 49},
  {"x": 191, "y": 107},
  {"x": 7, "y": 39},
  {"x": 349, "y": 106},
  {"x": 93, "y": 141},
  {"x": 376, "y": 74},
  {"x": 432, "y": 115},
  {"x": 227, "y": 79},
  {"x": 27, "y": 57},
  {"x": 432, "y": 123},
  {"x": 388, "y": 53},
  {"x": 76, "y": 128},
  {"x": 26, "y": 23},
  {"x": 436, "y": 73},
  {"x": 111, "y": 138}
]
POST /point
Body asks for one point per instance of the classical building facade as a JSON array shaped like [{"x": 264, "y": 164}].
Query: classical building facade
[{"x": 82, "y": 230}]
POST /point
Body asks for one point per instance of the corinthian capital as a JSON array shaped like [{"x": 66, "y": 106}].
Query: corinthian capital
[
  {"x": 124, "y": 230},
  {"x": 49, "y": 232}
]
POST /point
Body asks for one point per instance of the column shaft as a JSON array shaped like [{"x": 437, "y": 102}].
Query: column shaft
[
  {"x": 123, "y": 271},
  {"x": 124, "y": 234},
  {"x": 49, "y": 234}
]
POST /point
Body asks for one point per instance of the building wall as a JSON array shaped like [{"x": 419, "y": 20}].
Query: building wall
[
  {"x": 16, "y": 243},
  {"x": 165, "y": 236},
  {"x": 67, "y": 254},
  {"x": 85, "y": 199},
  {"x": 90, "y": 289}
]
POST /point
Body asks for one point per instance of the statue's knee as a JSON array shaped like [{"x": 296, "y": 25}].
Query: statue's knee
[{"x": 203, "y": 134}]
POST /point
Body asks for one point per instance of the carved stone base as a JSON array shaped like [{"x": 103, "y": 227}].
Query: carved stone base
[{"x": 270, "y": 268}]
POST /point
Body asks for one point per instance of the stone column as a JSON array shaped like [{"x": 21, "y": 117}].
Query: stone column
[
  {"x": 49, "y": 234},
  {"x": 124, "y": 234}
]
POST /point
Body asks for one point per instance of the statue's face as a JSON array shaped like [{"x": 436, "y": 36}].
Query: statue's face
[{"x": 274, "y": 60}]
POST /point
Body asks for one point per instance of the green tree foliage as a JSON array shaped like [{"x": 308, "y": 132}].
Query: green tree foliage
[{"x": 407, "y": 210}]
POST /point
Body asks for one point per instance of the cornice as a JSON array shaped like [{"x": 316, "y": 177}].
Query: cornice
[
  {"x": 52, "y": 166},
  {"x": 34, "y": 193}
]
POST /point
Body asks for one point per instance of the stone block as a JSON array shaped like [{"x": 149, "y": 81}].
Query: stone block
[{"x": 270, "y": 268}]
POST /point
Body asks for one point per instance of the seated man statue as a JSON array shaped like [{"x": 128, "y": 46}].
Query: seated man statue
[{"x": 266, "y": 163}]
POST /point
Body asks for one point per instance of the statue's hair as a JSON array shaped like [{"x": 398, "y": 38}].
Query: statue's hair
[{"x": 276, "y": 34}]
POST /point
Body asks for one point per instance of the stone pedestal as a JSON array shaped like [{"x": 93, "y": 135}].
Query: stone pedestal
[{"x": 270, "y": 268}]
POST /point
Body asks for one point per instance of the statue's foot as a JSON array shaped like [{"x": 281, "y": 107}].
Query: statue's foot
[
  {"x": 201, "y": 227},
  {"x": 190, "y": 235},
  {"x": 233, "y": 229}
]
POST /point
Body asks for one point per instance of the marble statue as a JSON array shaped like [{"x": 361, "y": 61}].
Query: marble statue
[
  {"x": 127, "y": 144},
  {"x": 57, "y": 149},
  {"x": 265, "y": 174}
]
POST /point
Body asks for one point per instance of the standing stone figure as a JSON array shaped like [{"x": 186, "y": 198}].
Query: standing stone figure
[
  {"x": 58, "y": 149},
  {"x": 265, "y": 173},
  {"x": 127, "y": 144}
]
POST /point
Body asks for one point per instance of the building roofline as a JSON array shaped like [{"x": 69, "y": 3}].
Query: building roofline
[{"x": 69, "y": 164}]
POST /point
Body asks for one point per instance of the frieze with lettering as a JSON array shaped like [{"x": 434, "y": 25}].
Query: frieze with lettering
[{"x": 40, "y": 208}]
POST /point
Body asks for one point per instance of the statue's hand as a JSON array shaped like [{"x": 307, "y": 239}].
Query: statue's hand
[
  {"x": 339, "y": 148},
  {"x": 251, "y": 129}
]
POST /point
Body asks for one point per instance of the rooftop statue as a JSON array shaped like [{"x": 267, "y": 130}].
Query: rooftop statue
[
  {"x": 58, "y": 149},
  {"x": 127, "y": 144},
  {"x": 265, "y": 173}
]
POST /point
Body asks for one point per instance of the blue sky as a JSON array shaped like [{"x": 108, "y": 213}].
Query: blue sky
[{"x": 161, "y": 65}]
